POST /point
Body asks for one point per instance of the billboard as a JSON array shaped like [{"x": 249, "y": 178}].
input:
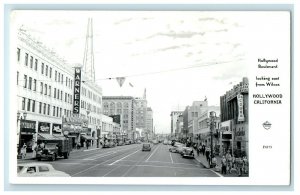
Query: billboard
[{"x": 77, "y": 84}]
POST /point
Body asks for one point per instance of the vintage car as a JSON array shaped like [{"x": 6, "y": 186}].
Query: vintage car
[
  {"x": 146, "y": 147},
  {"x": 187, "y": 153},
  {"x": 39, "y": 170},
  {"x": 175, "y": 148}
]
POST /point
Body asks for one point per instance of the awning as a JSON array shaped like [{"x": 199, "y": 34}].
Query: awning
[
  {"x": 44, "y": 136},
  {"x": 87, "y": 137}
]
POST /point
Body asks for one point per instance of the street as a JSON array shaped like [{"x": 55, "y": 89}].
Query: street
[{"x": 130, "y": 161}]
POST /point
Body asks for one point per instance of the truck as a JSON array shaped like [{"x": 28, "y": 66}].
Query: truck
[{"x": 54, "y": 148}]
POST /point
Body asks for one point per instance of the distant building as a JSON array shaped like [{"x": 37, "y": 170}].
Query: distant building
[
  {"x": 174, "y": 117},
  {"x": 179, "y": 127},
  {"x": 125, "y": 106},
  {"x": 149, "y": 123}
]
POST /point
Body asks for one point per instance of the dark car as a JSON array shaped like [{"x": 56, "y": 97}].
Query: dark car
[
  {"x": 146, "y": 147},
  {"x": 187, "y": 153}
]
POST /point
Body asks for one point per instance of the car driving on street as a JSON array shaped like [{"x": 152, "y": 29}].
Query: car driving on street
[
  {"x": 187, "y": 153},
  {"x": 146, "y": 147}
]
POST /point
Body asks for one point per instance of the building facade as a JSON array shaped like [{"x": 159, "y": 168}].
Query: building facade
[
  {"x": 174, "y": 117},
  {"x": 141, "y": 113},
  {"x": 125, "y": 106},
  {"x": 45, "y": 92},
  {"x": 235, "y": 119}
]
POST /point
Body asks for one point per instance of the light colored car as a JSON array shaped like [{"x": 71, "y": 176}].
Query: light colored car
[
  {"x": 39, "y": 170},
  {"x": 187, "y": 153},
  {"x": 176, "y": 147}
]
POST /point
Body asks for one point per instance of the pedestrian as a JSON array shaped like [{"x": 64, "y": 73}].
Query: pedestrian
[
  {"x": 213, "y": 161},
  {"x": 87, "y": 144},
  {"x": 224, "y": 165},
  {"x": 229, "y": 162},
  {"x": 23, "y": 150},
  {"x": 198, "y": 150},
  {"x": 245, "y": 165},
  {"x": 239, "y": 164},
  {"x": 207, "y": 153},
  {"x": 34, "y": 149},
  {"x": 203, "y": 149}
]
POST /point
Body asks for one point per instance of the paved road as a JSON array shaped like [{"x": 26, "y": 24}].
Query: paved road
[{"x": 131, "y": 161}]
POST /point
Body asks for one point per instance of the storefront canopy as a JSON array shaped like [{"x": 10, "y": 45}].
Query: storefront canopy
[
  {"x": 87, "y": 137},
  {"x": 44, "y": 136}
]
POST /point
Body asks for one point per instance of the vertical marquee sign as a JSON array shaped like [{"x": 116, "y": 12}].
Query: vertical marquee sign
[
  {"x": 77, "y": 83},
  {"x": 240, "y": 108}
]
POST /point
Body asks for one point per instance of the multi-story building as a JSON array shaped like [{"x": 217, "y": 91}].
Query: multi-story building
[
  {"x": 149, "y": 124},
  {"x": 125, "y": 106},
  {"x": 204, "y": 129},
  {"x": 179, "y": 127},
  {"x": 141, "y": 113},
  {"x": 190, "y": 115},
  {"x": 174, "y": 116},
  {"x": 45, "y": 92},
  {"x": 234, "y": 119}
]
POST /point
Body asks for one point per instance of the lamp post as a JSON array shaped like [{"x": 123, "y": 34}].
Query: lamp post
[
  {"x": 211, "y": 124},
  {"x": 20, "y": 118}
]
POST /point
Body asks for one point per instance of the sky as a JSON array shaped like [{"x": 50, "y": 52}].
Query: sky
[{"x": 178, "y": 57}]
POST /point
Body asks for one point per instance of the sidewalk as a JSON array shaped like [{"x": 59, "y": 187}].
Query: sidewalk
[{"x": 202, "y": 159}]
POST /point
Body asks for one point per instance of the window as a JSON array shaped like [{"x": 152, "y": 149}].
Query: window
[
  {"x": 65, "y": 97},
  {"x": 36, "y": 64},
  {"x": 49, "y": 90},
  {"x": 23, "y": 103},
  {"x": 18, "y": 54},
  {"x": 48, "y": 109},
  {"x": 28, "y": 105},
  {"x": 57, "y": 93},
  {"x": 66, "y": 81},
  {"x": 45, "y": 108},
  {"x": 31, "y": 61},
  {"x": 34, "y": 85},
  {"x": 60, "y": 112},
  {"x": 31, "y": 170},
  {"x": 46, "y": 87},
  {"x": 25, "y": 81},
  {"x": 57, "y": 110},
  {"x": 46, "y": 71},
  {"x": 55, "y": 75},
  {"x": 43, "y": 169},
  {"x": 50, "y": 72},
  {"x": 17, "y": 77},
  {"x": 42, "y": 68},
  {"x": 33, "y": 105},
  {"x": 58, "y": 77},
  {"x": 41, "y": 87},
  {"x": 54, "y": 92},
  {"x": 30, "y": 83},
  {"x": 62, "y": 79},
  {"x": 40, "y": 107},
  {"x": 53, "y": 110},
  {"x": 61, "y": 95},
  {"x": 26, "y": 59}
]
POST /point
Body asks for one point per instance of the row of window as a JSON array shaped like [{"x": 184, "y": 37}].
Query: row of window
[
  {"x": 45, "y": 69},
  {"x": 43, "y": 108},
  {"x": 112, "y": 105},
  {"x": 90, "y": 107},
  {"x": 45, "y": 89}
]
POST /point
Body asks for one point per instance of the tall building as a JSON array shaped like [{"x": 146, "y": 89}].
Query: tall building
[
  {"x": 141, "y": 113},
  {"x": 174, "y": 116},
  {"x": 190, "y": 115},
  {"x": 149, "y": 123},
  {"x": 234, "y": 119},
  {"x": 45, "y": 92},
  {"x": 125, "y": 106}
]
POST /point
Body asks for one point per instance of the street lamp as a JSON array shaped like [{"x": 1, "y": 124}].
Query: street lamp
[
  {"x": 20, "y": 118},
  {"x": 211, "y": 124}
]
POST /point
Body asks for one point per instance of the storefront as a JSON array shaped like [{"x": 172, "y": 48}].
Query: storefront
[
  {"x": 56, "y": 129},
  {"x": 44, "y": 127},
  {"x": 27, "y": 129}
]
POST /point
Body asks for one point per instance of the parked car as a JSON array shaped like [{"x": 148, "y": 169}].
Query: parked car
[
  {"x": 127, "y": 142},
  {"x": 165, "y": 142},
  {"x": 175, "y": 148},
  {"x": 146, "y": 147},
  {"x": 39, "y": 170},
  {"x": 120, "y": 143},
  {"x": 187, "y": 153},
  {"x": 180, "y": 149},
  {"x": 109, "y": 144}
]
